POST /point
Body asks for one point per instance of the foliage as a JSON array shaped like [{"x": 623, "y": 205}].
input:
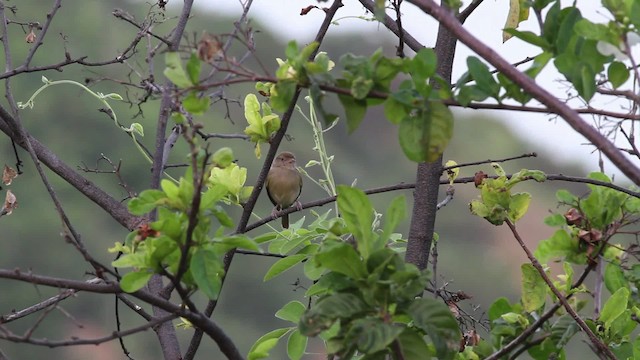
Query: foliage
[
  {"x": 179, "y": 236},
  {"x": 367, "y": 298}
]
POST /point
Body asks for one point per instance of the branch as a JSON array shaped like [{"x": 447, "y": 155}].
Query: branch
[
  {"x": 391, "y": 24},
  {"x": 464, "y": 14},
  {"x": 9, "y": 336},
  {"x": 529, "y": 85},
  {"x": 113, "y": 207},
  {"x": 407, "y": 186},
  {"x": 209, "y": 327},
  {"x": 600, "y": 346},
  {"x": 166, "y": 332},
  {"x": 15, "y": 315}
]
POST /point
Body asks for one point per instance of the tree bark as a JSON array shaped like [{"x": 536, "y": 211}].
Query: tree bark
[{"x": 425, "y": 195}]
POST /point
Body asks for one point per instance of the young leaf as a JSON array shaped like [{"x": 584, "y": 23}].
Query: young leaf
[
  {"x": 174, "y": 71},
  {"x": 614, "y": 277},
  {"x": 135, "y": 280},
  {"x": 482, "y": 76},
  {"x": 296, "y": 345},
  {"x": 614, "y": 307},
  {"x": 617, "y": 74},
  {"x": 146, "y": 201},
  {"x": 193, "y": 68},
  {"x": 357, "y": 212},
  {"x": 283, "y": 265},
  {"x": 282, "y": 93},
  {"x": 265, "y": 343},
  {"x": 534, "y": 289},
  {"x": 196, "y": 105},
  {"x": 292, "y": 311},
  {"x": 560, "y": 244},
  {"x": 395, "y": 214},
  {"x": 207, "y": 271},
  {"x": 499, "y": 307},
  {"x": 354, "y": 110},
  {"x": 518, "y": 205}
]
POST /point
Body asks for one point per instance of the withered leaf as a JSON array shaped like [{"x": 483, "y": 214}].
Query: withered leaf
[
  {"x": 10, "y": 203},
  {"x": 8, "y": 174}
]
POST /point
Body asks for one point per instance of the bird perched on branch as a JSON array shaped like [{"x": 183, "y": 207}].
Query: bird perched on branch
[{"x": 284, "y": 185}]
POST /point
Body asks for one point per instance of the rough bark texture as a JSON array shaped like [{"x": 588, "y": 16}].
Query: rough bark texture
[{"x": 425, "y": 195}]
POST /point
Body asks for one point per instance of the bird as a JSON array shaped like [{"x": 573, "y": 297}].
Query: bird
[{"x": 284, "y": 185}]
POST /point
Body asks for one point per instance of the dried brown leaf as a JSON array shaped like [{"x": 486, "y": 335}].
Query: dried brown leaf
[
  {"x": 8, "y": 174},
  {"x": 10, "y": 203}
]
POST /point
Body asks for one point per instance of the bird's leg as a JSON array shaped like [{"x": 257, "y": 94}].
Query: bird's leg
[
  {"x": 276, "y": 211},
  {"x": 298, "y": 205}
]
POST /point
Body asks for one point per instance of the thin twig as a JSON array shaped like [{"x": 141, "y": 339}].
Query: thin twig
[{"x": 600, "y": 346}]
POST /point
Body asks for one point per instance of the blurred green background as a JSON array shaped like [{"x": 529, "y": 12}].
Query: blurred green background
[{"x": 480, "y": 259}]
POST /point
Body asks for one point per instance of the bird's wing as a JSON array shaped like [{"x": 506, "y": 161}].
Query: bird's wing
[{"x": 266, "y": 185}]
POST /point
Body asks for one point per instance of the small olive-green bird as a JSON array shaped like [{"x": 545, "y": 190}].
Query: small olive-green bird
[{"x": 284, "y": 184}]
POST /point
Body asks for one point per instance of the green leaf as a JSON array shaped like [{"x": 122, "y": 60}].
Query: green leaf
[
  {"x": 564, "y": 196},
  {"x": 546, "y": 350},
  {"x": 394, "y": 110},
  {"x": 322, "y": 315},
  {"x": 146, "y": 201},
  {"x": 614, "y": 277},
  {"x": 283, "y": 265},
  {"x": 617, "y": 74},
  {"x": 193, "y": 68},
  {"x": 265, "y": 343},
  {"x": 481, "y": 74},
  {"x": 238, "y": 242},
  {"x": 292, "y": 311},
  {"x": 518, "y": 205},
  {"x": 174, "y": 71},
  {"x": 282, "y": 94},
  {"x": 422, "y": 67},
  {"x": 592, "y": 30},
  {"x": 135, "y": 280},
  {"x": 499, "y": 307},
  {"x": 360, "y": 87},
  {"x": 196, "y": 105},
  {"x": 555, "y": 220},
  {"x": 371, "y": 335},
  {"x": 223, "y": 157},
  {"x": 560, "y": 244},
  {"x": 435, "y": 318},
  {"x": 341, "y": 257},
  {"x": 207, "y": 271},
  {"x": 563, "y": 330},
  {"x": 357, "y": 212},
  {"x": 614, "y": 307},
  {"x": 529, "y": 37},
  {"x": 587, "y": 84},
  {"x": 424, "y": 137},
  {"x": 296, "y": 345},
  {"x": 412, "y": 346},
  {"x": 534, "y": 289},
  {"x": 354, "y": 110},
  {"x": 395, "y": 214}
]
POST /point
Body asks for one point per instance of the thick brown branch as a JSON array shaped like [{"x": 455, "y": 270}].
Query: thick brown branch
[
  {"x": 445, "y": 18},
  {"x": 112, "y": 206}
]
